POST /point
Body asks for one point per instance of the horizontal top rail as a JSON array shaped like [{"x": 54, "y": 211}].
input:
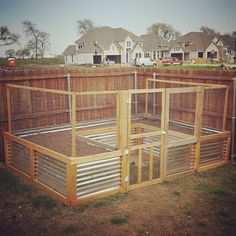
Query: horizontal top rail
[
  {"x": 188, "y": 83},
  {"x": 39, "y": 89}
]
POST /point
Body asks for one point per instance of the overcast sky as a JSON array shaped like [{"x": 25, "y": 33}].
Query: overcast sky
[{"x": 58, "y": 17}]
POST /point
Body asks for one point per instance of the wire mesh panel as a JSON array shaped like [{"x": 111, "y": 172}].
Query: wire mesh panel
[
  {"x": 19, "y": 157},
  {"x": 37, "y": 108},
  {"x": 100, "y": 109},
  {"x": 51, "y": 172},
  {"x": 97, "y": 177},
  {"x": 182, "y": 110},
  {"x": 213, "y": 109}
]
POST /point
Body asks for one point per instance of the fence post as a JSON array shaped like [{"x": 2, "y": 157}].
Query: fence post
[
  {"x": 123, "y": 117},
  {"x": 71, "y": 179},
  {"x": 69, "y": 96},
  {"x": 233, "y": 143},
  {"x": 32, "y": 164},
  {"x": 198, "y": 125},
  {"x": 146, "y": 101},
  {"x": 165, "y": 105},
  {"x": 73, "y": 124},
  {"x": 135, "y": 95}
]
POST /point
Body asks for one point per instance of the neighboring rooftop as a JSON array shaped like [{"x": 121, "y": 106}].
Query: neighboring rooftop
[
  {"x": 153, "y": 41},
  {"x": 194, "y": 41},
  {"x": 103, "y": 37},
  {"x": 70, "y": 50}
]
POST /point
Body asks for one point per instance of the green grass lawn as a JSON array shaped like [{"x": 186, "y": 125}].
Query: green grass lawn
[{"x": 33, "y": 63}]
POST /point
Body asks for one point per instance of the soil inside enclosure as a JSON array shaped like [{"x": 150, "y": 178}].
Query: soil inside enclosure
[{"x": 60, "y": 142}]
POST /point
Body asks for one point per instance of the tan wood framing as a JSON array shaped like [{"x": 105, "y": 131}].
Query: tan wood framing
[{"x": 127, "y": 142}]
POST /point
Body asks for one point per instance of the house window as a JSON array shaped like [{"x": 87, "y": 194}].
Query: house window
[
  {"x": 128, "y": 44},
  {"x": 138, "y": 55},
  {"x": 72, "y": 58},
  {"x": 200, "y": 55}
]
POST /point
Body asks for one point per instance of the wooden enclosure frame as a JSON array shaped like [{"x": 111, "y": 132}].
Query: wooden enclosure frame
[{"x": 195, "y": 145}]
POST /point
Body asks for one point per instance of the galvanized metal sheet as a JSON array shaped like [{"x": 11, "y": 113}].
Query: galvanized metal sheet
[
  {"x": 20, "y": 157},
  {"x": 51, "y": 172},
  {"x": 97, "y": 176}
]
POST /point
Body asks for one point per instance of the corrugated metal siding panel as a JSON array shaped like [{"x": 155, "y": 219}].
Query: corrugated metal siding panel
[
  {"x": 106, "y": 138},
  {"x": 179, "y": 159},
  {"x": 51, "y": 172},
  {"x": 98, "y": 176},
  {"x": 212, "y": 150},
  {"x": 20, "y": 157}
]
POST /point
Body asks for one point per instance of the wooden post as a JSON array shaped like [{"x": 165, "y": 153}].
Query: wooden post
[
  {"x": 9, "y": 109},
  {"x": 123, "y": 118},
  {"x": 73, "y": 124},
  {"x": 225, "y": 108},
  {"x": 165, "y": 106},
  {"x": 32, "y": 164},
  {"x": 6, "y": 151},
  {"x": 71, "y": 180},
  {"x": 198, "y": 125},
  {"x": 151, "y": 163}
]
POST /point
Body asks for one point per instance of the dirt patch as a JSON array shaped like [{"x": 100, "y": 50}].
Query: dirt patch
[
  {"x": 61, "y": 142},
  {"x": 201, "y": 204}
]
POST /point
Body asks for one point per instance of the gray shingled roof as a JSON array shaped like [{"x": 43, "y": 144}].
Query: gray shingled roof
[
  {"x": 228, "y": 41},
  {"x": 104, "y": 36},
  {"x": 200, "y": 41},
  {"x": 153, "y": 41},
  {"x": 70, "y": 50}
]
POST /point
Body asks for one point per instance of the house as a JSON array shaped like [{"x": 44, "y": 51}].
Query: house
[
  {"x": 193, "y": 45},
  {"x": 225, "y": 46},
  {"x": 155, "y": 47},
  {"x": 103, "y": 45},
  {"x": 70, "y": 56}
]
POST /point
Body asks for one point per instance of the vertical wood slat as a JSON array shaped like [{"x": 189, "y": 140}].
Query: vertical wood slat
[
  {"x": 146, "y": 101},
  {"x": 198, "y": 125},
  {"x": 225, "y": 108},
  {"x": 139, "y": 165},
  {"x": 9, "y": 109},
  {"x": 73, "y": 123}
]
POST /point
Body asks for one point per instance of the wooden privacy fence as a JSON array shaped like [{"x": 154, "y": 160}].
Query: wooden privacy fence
[
  {"x": 131, "y": 143},
  {"x": 92, "y": 79}
]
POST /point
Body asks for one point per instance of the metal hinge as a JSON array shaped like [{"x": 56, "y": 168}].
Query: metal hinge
[
  {"x": 126, "y": 179},
  {"x": 126, "y": 151}
]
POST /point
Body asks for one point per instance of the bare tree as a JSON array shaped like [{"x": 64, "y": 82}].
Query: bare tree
[
  {"x": 39, "y": 39},
  {"x": 84, "y": 26},
  {"x": 10, "y": 52},
  {"x": 7, "y": 37},
  {"x": 22, "y": 53},
  {"x": 44, "y": 42},
  {"x": 209, "y": 31},
  {"x": 164, "y": 30}
]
